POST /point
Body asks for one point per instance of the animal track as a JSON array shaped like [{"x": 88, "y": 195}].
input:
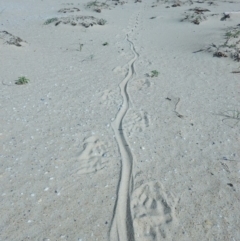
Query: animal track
[
  {"x": 121, "y": 228},
  {"x": 136, "y": 122},
  {"x": 93, "y": 156},
  {"x": 152, "y": 212}
]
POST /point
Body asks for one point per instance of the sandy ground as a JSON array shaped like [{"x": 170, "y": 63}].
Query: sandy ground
[{"x": 97, "y": 146}]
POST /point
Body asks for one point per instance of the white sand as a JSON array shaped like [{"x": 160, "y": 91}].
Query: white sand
[{"x": 94, "y": 148}]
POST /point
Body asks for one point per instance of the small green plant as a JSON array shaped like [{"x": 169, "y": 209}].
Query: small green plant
[
  {"x": 105, "y": 44},
  {"x": 228, "y": 34},
  {"x": 232, "y": 34},
  {"x": 154, "y": 73},
  {"x": 50, "y": 20},
  {"x": 22, "y": 80},
  {"x": 235, "y": 35}
]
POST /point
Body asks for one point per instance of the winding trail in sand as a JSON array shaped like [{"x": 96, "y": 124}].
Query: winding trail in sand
[{"x": 122, "y": 225}]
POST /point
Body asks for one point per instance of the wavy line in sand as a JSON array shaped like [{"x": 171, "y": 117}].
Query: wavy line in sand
[{"x": 122, "y": 226}]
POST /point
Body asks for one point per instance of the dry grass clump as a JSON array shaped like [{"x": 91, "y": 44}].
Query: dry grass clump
[
  {"x": 69, "y": 10},
  {"x": 97, "y": 5},
  {"x": 196, "y": 15},
  {"x": 85, "y": 21},
  {"x": 229, "y": 48},
  {"x": 50, "y": 20}
]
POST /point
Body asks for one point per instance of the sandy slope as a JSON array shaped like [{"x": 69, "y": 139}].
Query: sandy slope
[{"x": 94, "y": 148}]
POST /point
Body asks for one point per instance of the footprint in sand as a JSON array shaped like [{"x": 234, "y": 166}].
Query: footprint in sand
[
  {"x": 136, "y": 122},
  {"x": 93, "y": 157},
  {"x": 140, "y": 84},
  {"x": 109, "y": 98},
  {"x": 152, "y": 212},
  {"x": 120, "y": 70}
]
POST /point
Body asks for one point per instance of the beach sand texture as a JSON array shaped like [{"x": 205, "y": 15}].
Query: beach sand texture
[{"x": 127, "y": 125}]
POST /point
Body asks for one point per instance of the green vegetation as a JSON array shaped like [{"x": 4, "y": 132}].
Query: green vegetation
[
  {"x": 228, "y": 46},
  {"x": 22, "y": 81},
  {"x": 154, "y": 73},
  {"x": 232, "y": 34},
  {"x": 50, "y": 20}
]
